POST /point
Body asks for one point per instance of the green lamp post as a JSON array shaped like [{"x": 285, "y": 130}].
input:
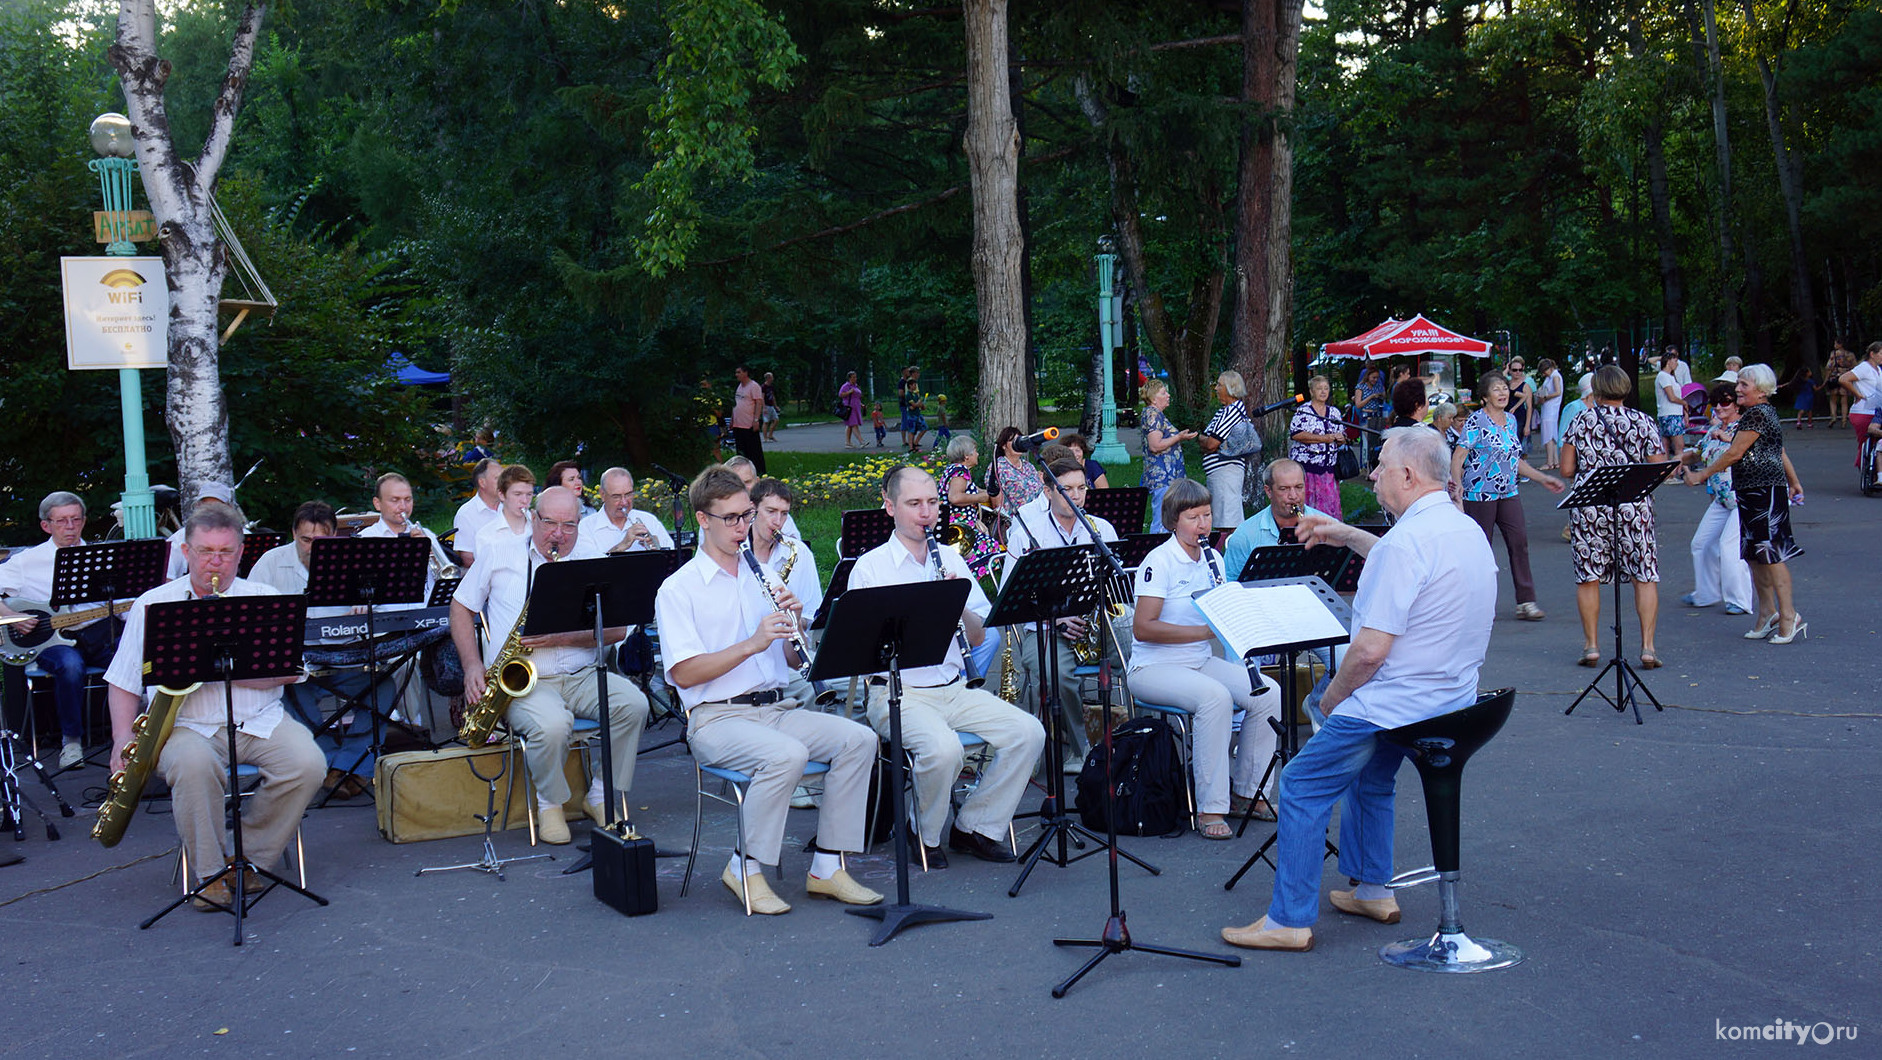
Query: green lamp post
[
  {"x": 111, "y": 138},
  {"x": 1110, "y": 335}
]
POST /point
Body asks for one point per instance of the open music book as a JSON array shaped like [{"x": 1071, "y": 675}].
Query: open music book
[{"x": 1258, "y": 619}]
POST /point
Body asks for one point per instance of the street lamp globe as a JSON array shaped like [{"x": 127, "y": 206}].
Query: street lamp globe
[{"x": 111, "y": 135}]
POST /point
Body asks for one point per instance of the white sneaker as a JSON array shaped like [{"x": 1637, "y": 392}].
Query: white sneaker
[
  {"x": 1529, "y": 612},
  {"x": 71, "y": 754}
]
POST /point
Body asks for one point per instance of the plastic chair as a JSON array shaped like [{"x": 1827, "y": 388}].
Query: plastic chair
[
  {"x": 1439, "y": 747},
  {"x": 737, "y": 782}
]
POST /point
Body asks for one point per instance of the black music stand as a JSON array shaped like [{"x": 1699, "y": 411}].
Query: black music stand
[
  {"x": 1288, "y": 743},
  {"x": 110, "y": 570},
  {"x": 882, "y": 629},
  {"x": 864, "y": 529},
  {"x": 596, "y": 595},
  {"x": 1044, "y": 585},
  {"x": 659, "y": 708},
  {"x": 226, "y": 639},
  {"x": 1126, "y": 508},
  {"x": 369, "y": 572},
  {"x": 256, "y": 544},
  {"x": 442, "y": 591},
  {"x": 839, "y": 584},
  {"x": 1610, "y": 487},
  {"x": 1133, "y": 549},
  {"x": 1294, "y": 561}
]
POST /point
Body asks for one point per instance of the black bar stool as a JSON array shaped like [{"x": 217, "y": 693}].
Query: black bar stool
[{"x": 1439, "y": 747}]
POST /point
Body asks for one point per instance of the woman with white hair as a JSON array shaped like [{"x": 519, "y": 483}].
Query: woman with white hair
[
  {"x": 965, "y": 503},
  {"x": 1225, "y": 443},
  {"x": 1765, "y": 486}
]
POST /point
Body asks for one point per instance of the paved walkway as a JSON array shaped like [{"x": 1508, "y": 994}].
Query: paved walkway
[
  {"x": 828, "y": 438},
  {"x": 1707, "y": 869}
]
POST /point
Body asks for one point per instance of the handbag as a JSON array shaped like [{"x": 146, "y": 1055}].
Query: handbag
[
  {"x": 840, "y": 410},
  {"x": 1345, "y": 464}
]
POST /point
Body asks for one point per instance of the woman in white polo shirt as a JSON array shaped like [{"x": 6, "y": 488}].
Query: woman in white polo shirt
[{"x": 1173, "y": 662}]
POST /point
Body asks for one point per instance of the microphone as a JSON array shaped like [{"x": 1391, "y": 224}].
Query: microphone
[
  {"x": 674, "y": 477},
  {"x": 1297, "y": 399},
  {"x": 1026, "y": 443}
]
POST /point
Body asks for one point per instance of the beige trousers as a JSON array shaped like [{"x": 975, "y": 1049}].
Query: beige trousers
[
  {"x": 197, "y": 770},
  {"x": 930, "y": 719},
  {"x": 546, "y": 717},
  {"x": 1213, "y": 691},
  {"x": 770, "y": 743}
]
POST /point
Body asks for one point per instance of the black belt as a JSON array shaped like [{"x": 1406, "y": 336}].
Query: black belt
[{"x": 756, "y": 699}]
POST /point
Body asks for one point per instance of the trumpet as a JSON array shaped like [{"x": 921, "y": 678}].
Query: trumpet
[
  {"x": 974, "y": 679},
  {"x": 798, "y": 644}
]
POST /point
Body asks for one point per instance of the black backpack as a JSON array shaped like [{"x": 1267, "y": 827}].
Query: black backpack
[{"x": 1147, "y": 783}]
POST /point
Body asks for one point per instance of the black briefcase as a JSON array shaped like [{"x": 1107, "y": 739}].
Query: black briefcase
[{"x": 624, "y": 863}]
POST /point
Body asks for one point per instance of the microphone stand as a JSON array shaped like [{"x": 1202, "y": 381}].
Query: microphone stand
[{"x": 1116, "y": 937}]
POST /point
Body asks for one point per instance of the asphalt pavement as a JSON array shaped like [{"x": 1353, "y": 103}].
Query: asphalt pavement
[{"x": 1671, "y": 884}]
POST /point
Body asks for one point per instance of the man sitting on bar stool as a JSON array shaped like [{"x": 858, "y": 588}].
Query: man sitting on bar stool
[{"x": 1421, "y": 624}]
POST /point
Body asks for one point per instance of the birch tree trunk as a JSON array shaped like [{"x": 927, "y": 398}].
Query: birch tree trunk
[
  {"x": 179, "y": 192},
  {"x": 992, "y": 145}
]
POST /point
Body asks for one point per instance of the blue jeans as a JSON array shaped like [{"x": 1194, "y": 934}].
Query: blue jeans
[
  {"x": 66, "y": 667},
  {"x": 348, "y": 745},
  {"x": 1344, "y": 760}
]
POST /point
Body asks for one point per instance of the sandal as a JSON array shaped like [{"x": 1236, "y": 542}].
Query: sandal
[
  {"x": 1217, "y": 829},
  {"x": 1650, "y": 661},
  {"x": 1591, "y": 657}
]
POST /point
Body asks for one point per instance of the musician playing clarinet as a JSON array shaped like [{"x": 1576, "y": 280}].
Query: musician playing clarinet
[
  {"x": 936, "y": 701},
  {"x": 725, "y": 643},
  {"x": 498, "y": 585},
  {"x": 785, "y": 558},
  {"x": 194, "y": 761},
  {"x": 1174, "y": 664}
]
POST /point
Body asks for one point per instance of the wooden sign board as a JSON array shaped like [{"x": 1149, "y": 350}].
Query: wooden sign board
[{"x": 141, "y": 225}]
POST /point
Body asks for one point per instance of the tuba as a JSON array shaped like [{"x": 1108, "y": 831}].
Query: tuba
[{"x": 149, "y": 732}]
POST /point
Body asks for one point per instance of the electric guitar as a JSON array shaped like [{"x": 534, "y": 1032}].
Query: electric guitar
[{"x": 19, "y": 649}]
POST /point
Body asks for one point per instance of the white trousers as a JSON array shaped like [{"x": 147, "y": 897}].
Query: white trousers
[
  {"x": 930, "y": 719},
  {"x": 1212, "y": 691},
  {"x": 1719, "y": 572},
  {"x": 1225, "y": 494}
]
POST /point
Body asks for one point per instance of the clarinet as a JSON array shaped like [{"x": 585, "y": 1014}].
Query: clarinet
[
  {"x": 974, "y": 680},
  {"x": 797, "y": 629}
]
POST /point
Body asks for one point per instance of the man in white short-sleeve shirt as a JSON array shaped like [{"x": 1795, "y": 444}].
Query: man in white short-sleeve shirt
[
  {"x": 1421, "y": 625},
  {"x": 725, "y": 647},
  {"x": 936, "y": 702},
  {"x": 619, "y": 526},
  {"x": 477, "y": 512}
]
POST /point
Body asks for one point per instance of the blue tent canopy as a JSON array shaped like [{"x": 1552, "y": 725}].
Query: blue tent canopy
[{"x": 402, "y": 369}]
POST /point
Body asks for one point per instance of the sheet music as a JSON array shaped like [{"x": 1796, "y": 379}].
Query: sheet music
[{"x": 1258, "y": 618}]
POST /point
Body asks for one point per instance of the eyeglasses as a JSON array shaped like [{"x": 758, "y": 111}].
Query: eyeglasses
[
  {"x": 738, "y": 519},
  {"x": 214, "y": 553}
]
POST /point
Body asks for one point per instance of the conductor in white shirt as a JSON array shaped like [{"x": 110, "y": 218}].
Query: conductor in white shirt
[
  {"x": 1421, "y": 624},
  {"x": 936, "y": 702}
]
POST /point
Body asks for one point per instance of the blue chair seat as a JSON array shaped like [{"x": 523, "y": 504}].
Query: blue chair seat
[
  {"x": 733, "y": 776},
  {"x": 738, "y": 781}
]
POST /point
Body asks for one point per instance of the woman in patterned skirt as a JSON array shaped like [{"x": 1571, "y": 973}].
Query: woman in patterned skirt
[
  {"x": 965, "y": 502},
  {"x": 1765, "y": 486},
  {"x": 1605, "y": 434}
]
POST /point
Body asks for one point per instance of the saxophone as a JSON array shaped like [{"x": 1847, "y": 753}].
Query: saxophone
[
  {"x": 149, "y": 731},
  {"x": 509, "y": 676}
]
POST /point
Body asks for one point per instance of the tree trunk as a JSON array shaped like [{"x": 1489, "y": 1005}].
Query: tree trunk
[
  {"x": 1790, "y": 183},
  {"x": 1721, "y": 137},
  {"x": 992, "y": 144},
  {"x": 180, "y": 195},
  {"x": 1672, "y": 281}
]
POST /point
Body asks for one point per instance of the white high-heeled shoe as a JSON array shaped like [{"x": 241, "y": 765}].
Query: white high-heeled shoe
[
  {"x": 1799, "y": 629},
  {"x": 1763, "y": 629}
]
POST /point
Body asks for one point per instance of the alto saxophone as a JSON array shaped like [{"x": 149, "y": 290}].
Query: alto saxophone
[
  {"x": 510, "y": 675},
  {"x": 149, "y": 732}
]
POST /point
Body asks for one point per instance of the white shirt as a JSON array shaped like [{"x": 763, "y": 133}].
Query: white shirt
[
  {"x": 26, "y": 576},
  {"x": 179, "y": 563},
  {"x": 472, "y": 517},
  {"x": 498, "y": 584},
  {"x": 380, "y": 529},
  {"x": 1169, "y": 574},
  {"x": 1431, "y": 583},
  {"x": 891, "y": 563},
  {"x": 257, "y": 711},
  {"x": 1046, "y": 533},
  {"x": 601, "y": 530},
  {"x": 498, "y": 530},
  {"x": 1869, "y": 381},
  {"x": 1679, "y": 377},
  {"x": 700, "y": 610},
  {"x": 803, "y": 580}
]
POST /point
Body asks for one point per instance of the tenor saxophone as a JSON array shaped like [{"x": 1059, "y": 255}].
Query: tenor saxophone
[
  {"x": 509, "y": 676},
  {"x": 149, "y": 732}
]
